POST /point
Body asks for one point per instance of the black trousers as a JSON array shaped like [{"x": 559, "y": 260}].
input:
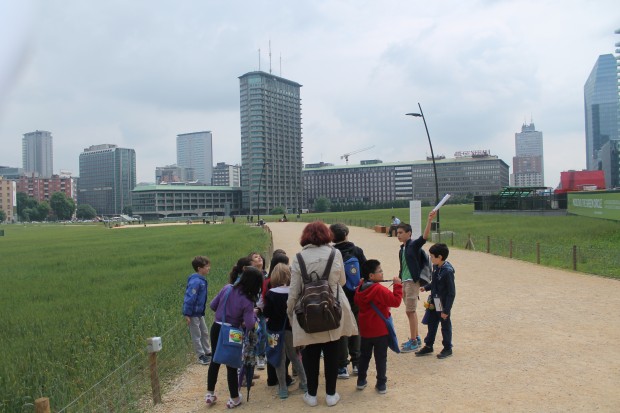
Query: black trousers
[
  {"x": 378, "y": 345},
  {"x": 214, "y": 368},
  {"x": 311, "y": 359}
]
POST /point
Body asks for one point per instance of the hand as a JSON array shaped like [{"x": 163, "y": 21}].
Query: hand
[
  {"x": 187, "y": 319},
  {"x": 397, "y": 280},
  {"x": 422, "y": 289},
  {"x": 444, "y": 316},
  {"x": 431, "y": 215}
]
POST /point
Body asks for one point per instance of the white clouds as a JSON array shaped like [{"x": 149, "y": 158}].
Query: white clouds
[{"x": 138, "y": 73}]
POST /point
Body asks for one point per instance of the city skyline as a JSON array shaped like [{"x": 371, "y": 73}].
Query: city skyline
[{"x": 479, "y": 69}]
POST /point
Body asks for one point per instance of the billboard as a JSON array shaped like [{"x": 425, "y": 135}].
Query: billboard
[{"x": 595, "y": 204}]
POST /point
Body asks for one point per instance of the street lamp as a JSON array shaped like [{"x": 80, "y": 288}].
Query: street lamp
[
  {"x": 421, "y": 115},
  {"x": 260, "y": 184}
]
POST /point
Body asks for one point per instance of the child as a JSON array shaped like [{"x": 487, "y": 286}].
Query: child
[
  {"x": 443, "y": 291},
  {"x": 239, "y": 312},
  {"x": 275, "y": 311},
  {"x": 194, "y": 308},
  {"x": 373, "y": 331},
  {"x": 259, "y": 262}
]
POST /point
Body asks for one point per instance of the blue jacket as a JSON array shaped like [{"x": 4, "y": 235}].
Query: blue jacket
[
  {"x": 412, "y": 257},
  {"x": 442, "y": 286},
  {"x": 195, "y": 299}
]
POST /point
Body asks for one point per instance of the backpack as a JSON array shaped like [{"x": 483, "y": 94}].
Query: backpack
[
  {"x": 352, "y": 270},
  {"x": 317, "y": 310},
  {"x": 426, "y": 272}
]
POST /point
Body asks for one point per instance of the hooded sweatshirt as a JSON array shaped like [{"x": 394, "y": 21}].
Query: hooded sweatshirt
[{"x": 370, "y": 324}]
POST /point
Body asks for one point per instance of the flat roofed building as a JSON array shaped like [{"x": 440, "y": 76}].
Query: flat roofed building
[
  {"x": 37, "y": 153},
  {"x": 165, "y": 201},
  {"x": 385, "y": 182},
  {"x": 42, "y": 189},
  {"x": 8, "y": 199},
  {"x": 226, "y": 175},
  {"x": 195, "y": 151}
]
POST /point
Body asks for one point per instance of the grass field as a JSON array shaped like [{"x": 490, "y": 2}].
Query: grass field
[
  {"x": 76, "y": 302},
  {"x": 597, "y": 240}
]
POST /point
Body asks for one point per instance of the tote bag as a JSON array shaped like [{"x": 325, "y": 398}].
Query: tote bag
[
  {"x": 229, "y": 342},
  {"x": 275, "y": 342},
  {"x": 389, "y": 323}
]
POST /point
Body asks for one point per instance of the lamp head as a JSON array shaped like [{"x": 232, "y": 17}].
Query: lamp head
[{"x": 417, "y": 115}]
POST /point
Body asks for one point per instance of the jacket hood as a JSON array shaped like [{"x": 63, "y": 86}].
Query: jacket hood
[
  {"x": 346, "y": 248},
  {"x": 367, "y": 292},
  {"x": 448, "y": 266}
]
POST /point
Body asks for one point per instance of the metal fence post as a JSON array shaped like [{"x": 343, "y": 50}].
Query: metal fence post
[{"x": 574, "y": 257}]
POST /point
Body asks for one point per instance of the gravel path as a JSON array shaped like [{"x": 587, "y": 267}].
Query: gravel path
[{"x": 527, "y": 338}]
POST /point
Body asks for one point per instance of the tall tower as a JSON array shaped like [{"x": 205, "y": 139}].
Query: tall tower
[
  {"x": 37, "y": 155},
  {"x": 107, "y": 177},
  {"x": 528, "y": 164},
  {"x": 601, "y": 108},
  {"x": 271, "y": 152},
  {"x": 195, "y": 150}
]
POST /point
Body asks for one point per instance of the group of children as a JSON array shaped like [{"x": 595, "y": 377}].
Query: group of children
[{"x": 257, "y": 296}]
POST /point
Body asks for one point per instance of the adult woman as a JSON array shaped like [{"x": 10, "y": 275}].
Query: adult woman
[
  {"x": 315, "y": 240},
  {"x": 238, "y": 310}
]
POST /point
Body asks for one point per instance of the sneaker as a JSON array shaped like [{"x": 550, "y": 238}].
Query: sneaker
[
  {"x": 361, "y": 385},
  {"x": 290, "y": 383},
  {"x": 343, "y": 373},
  {"x": 405, "y": 343},
  {"x": 411, "y": 345},
  {"x": 260, "y": 363},
  {"x": 426, "y": 350},
  {"x": 445, "y": 353},
  {"x": 381, "y": 388},
  {"x": 332, "y": 400},
  {"x": 283, "y": 394},
  {"x": 354, "y": 372},
  {"x": 419, "y": 339},
  {"x": 204, "y": 360},
  {"x": 310, "y": 400}
]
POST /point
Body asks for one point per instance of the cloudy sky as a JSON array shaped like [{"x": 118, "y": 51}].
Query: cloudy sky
[{"x": 137, "y": 73}]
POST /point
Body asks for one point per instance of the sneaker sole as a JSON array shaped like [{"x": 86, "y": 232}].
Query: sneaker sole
[
  {"x": 443, "y": 356},
  {"x": 422, "y": 354},
  {"x": 361, "y": 386},
  {"x": 408, "y": 350}
]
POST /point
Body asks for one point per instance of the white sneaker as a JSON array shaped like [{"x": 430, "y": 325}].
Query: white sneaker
[
  {"x": 311, "y": 400},
  {"x": 260, "y": 363},
  {"x": 332, "y": 400}
]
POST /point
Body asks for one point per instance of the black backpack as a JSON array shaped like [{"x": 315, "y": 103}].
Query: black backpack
[{"x": 317, "y": 310}]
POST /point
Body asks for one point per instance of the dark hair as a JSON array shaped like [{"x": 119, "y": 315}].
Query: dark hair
[
  {"x": 279, "y": 251},
  {"x": 199, "y": 262},
  {"x": 238, "y": 269},
  {"x": 339, "y": 231},
  {"x": 315, "y": 233},
  {"x": 275, "y": 260},
  {"x": 250, "y": 283},
  {"x": 369, "y": 267},
  {"x": 250, "y": 255},
  {"x": 439, "y": 250},
  {"x": 404, "y": 227}
]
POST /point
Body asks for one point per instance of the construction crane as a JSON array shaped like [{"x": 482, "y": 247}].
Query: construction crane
[{"x": 346, "y": 155}]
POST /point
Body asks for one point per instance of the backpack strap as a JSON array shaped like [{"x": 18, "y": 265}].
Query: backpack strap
[
  {"x": 302, "y": 268},
  {"x": 328, "y": 267}
]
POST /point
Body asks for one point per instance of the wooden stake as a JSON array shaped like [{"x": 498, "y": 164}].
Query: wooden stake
[{"x": 42, "y": 405}]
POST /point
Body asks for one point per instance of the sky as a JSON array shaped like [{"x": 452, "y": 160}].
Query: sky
[{"x": 137, "y": 73}]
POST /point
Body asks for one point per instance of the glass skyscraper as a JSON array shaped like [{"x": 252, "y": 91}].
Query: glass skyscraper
[
  {"x": 601, "y": 108},
  {"x": 528, "y": 162},
  {"x": 37, "y": 154},
  {"x": 107, "y": 177},
  {"x": 195, "y": 151},
  {"x": 271, "y": 153}
]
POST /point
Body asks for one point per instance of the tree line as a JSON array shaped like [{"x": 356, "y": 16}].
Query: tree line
[{"x": 59, "y": 208}]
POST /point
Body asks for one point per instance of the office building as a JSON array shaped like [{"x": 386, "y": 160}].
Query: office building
[
  {"x": 467, "y": 174},
  {"x": 227, "y": 175},
  {"x": 177, "y": 201},
  {"x": 610, "y": 163},
  {"x": 8, "y": 199},
  {"x": 528, "y": 164},
  {"x": 107, "y": 177},
  {"x": 601, "y": 108},
  {"x": 271, "y": 152},
  {"x": 195, "y": 151},
  {"x": 37, "y": 154},
  {"x": 9, "y": 172},
  {"x": 174, "y": 174}
]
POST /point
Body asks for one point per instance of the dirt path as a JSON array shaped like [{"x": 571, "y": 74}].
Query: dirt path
[{"x": 527, "y": 338}]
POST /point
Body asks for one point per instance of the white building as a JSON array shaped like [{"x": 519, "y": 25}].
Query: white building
[
  {"x": 528, "y": 167},
  {"x": 37, "y": 154}
]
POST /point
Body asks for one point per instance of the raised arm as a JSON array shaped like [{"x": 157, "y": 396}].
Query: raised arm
[{"x": 427, "y": 230}]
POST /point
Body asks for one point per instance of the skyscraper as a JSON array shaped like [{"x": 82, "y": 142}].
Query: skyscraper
[
  {"x": 601, "y": 108},
  {"x": 271, "y": 154},
  {"x": 528, "y": 167},
  {"x": 195, "y": 150},
  {"x": 37, "y": 155},
  {"x": 107, "y": 177}
]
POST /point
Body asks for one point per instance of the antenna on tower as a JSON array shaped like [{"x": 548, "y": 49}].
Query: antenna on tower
[
  {"x": 269, "y": 56},
  {"x": 280, "y": 64},
  {"x": 259, "y": 59}
]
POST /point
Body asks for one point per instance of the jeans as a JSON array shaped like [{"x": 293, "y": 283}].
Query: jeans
[
  {"x": 289, "y": 353},
  {"x": 349, "y": 346},
  {"x": 446, "y": 330},
  {"x": 378, "y": 345}
]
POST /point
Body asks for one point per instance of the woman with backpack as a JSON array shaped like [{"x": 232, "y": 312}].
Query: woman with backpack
[{"x": 319, "y": 261}]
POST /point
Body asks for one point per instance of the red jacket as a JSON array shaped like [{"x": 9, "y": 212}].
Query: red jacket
[{"x": 369, "y": 322}]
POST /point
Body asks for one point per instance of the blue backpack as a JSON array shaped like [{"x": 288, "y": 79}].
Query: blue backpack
[{"x": 352, "y": 270}]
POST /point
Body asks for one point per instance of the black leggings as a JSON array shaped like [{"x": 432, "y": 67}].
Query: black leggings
[
  {"x": 214, "y": 368},
  {"x": 311, "y": 359}
]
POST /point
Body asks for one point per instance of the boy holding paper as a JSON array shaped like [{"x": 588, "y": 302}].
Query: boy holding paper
[{"x": 443, "y": 292}]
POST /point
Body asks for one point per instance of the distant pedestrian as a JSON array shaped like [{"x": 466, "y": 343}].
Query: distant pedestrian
[{"x": 194, "y": 305}]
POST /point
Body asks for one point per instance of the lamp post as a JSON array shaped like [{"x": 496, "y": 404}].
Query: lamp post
[
  {"x": 421, "y": 115},
  {"x": 260, "y": 184}
]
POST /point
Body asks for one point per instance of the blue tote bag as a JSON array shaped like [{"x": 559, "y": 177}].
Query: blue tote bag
[
  {"x": 389, "y": 323},
  {"x": 229, "y": 342}
]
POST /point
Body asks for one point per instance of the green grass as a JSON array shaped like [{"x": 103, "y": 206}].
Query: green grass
[
  {"x": 76, "y": 302},
  {"x": 597, "y": 240}
]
